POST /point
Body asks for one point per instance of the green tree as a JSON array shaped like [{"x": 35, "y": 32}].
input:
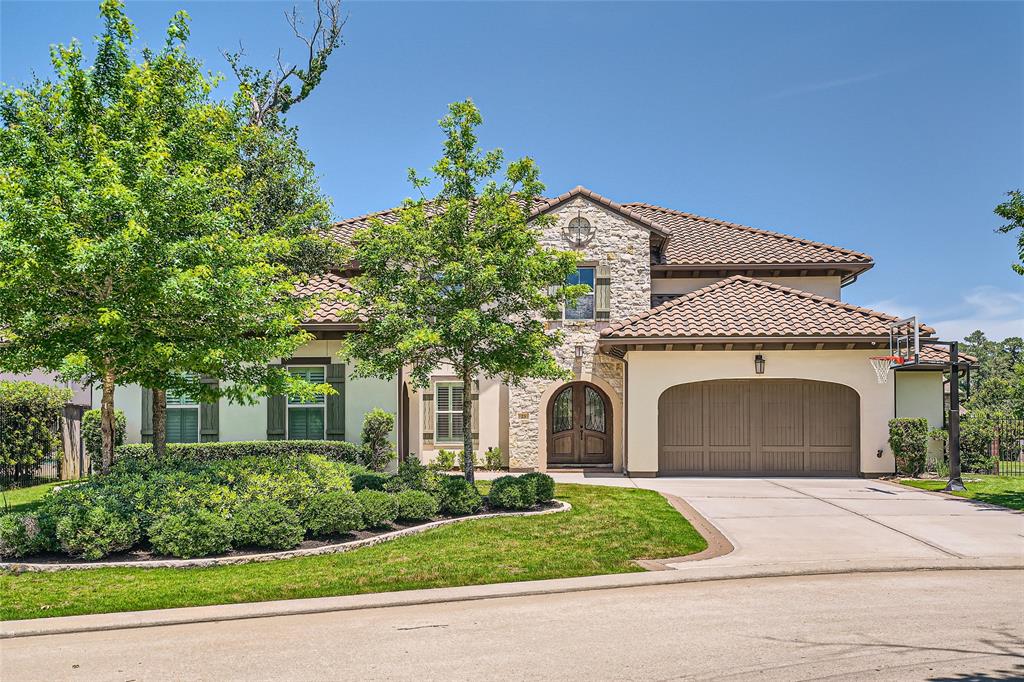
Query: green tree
[
  {"x": 1012, "y": 210},
  {"x": 461, "y": 279},
  {"x": 140, "y": 241},
  {"x": 997, "y": 383}
]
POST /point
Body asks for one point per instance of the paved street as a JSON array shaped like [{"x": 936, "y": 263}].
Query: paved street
[{"x": 948, "y": 625}]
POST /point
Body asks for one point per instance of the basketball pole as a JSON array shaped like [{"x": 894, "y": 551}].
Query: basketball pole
[{"x": 955, "y": 483}]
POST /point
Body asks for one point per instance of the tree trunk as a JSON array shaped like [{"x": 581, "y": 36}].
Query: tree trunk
[
  {"x": 107, "y": 421},
  {"x": 159, "y": 422},
  {"x": 467, "y": 425}
]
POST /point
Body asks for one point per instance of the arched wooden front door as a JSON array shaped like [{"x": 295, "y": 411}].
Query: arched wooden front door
[{"x": 579, "y": 426}]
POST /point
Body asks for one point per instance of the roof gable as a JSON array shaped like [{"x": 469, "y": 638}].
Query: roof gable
[
  {"x": 745, "y": 307},
  {"x": 581, "y": 191}
]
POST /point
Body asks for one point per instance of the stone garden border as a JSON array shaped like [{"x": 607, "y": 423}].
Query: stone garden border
[{"x": 336, "y": 548}]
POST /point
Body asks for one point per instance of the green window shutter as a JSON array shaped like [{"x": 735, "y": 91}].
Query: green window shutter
[
  {"x": 209, "y": 417},
  {"x": 183, "y": 425},
  {"x": 147, "y": 416},
  {"x": 603, "y": 293},
  {"x": 276, "y": 414},
  {"x": 475, "y": 425},
  {"x": 306, "y": 423},
  {"x": 336, "y": 403}
]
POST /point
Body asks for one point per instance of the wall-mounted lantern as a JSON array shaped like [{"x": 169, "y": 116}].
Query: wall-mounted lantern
[
  {"x": 759, "y": 364},
  {"x": 580, "y": 350}
]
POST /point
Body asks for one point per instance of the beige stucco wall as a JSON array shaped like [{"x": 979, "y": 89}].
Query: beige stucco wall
[
  {"x": 651, "y": 372},
  {"x": 249, "y": 422},
  {"x": 493, "y": 407},
  {"x": 624, "y": 246},
  {"x": 919, "y": 394},
  {"x": 823, "y": 286}
]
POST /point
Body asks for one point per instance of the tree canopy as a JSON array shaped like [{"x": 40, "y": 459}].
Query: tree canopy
[
  {"x": 460, "y": 279},
  {"x": 1012, "y": 210}
]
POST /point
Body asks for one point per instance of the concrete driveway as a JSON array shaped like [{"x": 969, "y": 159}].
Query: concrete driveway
[{"x": 865, "y": 522}]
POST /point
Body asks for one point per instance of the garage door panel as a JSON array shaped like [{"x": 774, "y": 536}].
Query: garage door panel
[
  {"x": 728, "y": 413},
  {"x": 762, "y": 427}
]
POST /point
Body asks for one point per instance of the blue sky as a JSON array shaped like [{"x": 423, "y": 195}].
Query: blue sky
[{"x": 887, "y": 128}]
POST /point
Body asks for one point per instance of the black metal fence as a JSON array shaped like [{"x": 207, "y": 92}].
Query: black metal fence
[
  {"x": 1007, "y": 447},
  {"x": 66, "y": 460}
]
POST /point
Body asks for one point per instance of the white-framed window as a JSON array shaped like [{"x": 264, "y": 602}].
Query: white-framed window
[
  {"x": 448, "y": 412},
  {"x": 307, "y": 419},
  {"x": 182, "y": 418},
  {"x": 584, "y": 308}
]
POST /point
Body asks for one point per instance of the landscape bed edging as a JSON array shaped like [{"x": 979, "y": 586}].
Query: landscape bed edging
[{"x": 336, "y": 548}]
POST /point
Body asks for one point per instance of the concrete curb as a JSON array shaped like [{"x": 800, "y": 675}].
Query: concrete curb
[
  {"x": 338, "y": 548},
  {"x": 718, "y": 543},
  {"x": 698, "y": 573}
]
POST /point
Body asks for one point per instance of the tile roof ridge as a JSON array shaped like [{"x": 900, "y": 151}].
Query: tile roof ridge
[
  {"x": 748, "y": 228},
  {"x": 580, "y": 190}
]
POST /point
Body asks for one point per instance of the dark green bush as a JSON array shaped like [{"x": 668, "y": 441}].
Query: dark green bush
[
  {"x": 544, "y": 485},
  {"x": 377, "y": 448},
  {"x": 28, "y": 432},
  {"x": 369, "y": 481},
  {"x": 412, "y": 475},
  {"x": 379, "y": 508},
  {"x": 512, "y": 492},
  {"x": 908, "y": 438},
  {"x": 190, "y": 533},
  {"x": 266, "y": 524},
  {"x": 92, "y": 530},
  {"x": 338, "y": 450},
  {"x": 416, "y": 505},
  {"x": 333, "y": 513},
  {"x": 19, "y": 535},
  {"x": 92, "y": 435},
  {"x": 457, "y": 496}
]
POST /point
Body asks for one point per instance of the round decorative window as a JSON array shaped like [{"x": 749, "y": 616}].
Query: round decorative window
[{"x": 579, "y": 231}]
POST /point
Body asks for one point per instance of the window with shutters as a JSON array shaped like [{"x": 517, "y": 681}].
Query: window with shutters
[
  {"x": 584, "y": 308},
  {"x": 448, "y": 412},
  {"x": 182, "y": 418},
  {"x": 306, "y": 418}
]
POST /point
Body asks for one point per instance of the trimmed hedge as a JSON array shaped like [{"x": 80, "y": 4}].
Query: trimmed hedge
[
  {"x": 512, "y": 492},
  {"x": 416, "y": 505},
  {"x": 267, "y": 524},
  {"x": 190, "y": 533},
  {"x": 369, "y": 481},
  {"x": 544, "y": 485},
  {"x": 379, "y": 509},
  {"x": 19, "y": 535},
  {"x": 457, "y": 496},
  {"x": 338, "y": 450},
  {"x": 333, "y": 513}
]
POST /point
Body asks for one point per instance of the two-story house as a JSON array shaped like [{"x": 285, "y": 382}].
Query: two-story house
[{"x": 705, "y": 347}]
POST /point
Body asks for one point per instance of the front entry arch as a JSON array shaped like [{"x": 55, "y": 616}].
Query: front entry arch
[{"x": 579, "y": 419}]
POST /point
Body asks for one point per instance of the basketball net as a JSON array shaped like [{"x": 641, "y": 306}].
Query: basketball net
[{"x": 882, "y": 364}]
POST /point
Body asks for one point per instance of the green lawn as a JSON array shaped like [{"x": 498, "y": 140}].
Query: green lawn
[
  {"x": 606, "y": 529},
  {"x": 1006, "y": 491},
  {"x": 25, "y": 499}
]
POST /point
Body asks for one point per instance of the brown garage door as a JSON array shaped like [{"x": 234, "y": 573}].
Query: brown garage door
[{"x": 767, "y": 427}]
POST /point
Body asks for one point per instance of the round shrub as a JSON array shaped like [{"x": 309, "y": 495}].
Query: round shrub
[
  {"x": 19, "y": 535},
  {"x": 92, "y": 531},
  {"x": 511, "y": 492},
  {"x": 457, "y": 496},
  {"x": 266, "y": 524},
  {"x": 544, "y": 485},
  {"x": 333, "y": 513},
  {"x": 191, "y": 533},
  {"x": 379, "y": 508},
  {"x": 416, "y": 505},
  {"x": 369, "y": 481}
]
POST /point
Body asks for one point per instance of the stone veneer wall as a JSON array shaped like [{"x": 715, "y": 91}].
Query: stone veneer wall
[{"x": 625, "y": 247}]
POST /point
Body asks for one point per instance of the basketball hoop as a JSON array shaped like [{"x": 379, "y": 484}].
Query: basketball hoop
[{"x": 882, "y": 364}]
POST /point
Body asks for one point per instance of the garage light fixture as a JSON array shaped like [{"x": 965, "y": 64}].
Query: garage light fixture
[{"x": 759, "y": 364}]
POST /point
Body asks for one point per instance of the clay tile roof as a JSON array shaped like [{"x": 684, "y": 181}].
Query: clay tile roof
[
  {"x": 581, "y": 191},
  {"x": 343, "y": 231},
  {"x": 937, "y": 355},
  {"x": 330, "y": 309},
  {"x": 745, "y": 307},
  {"x": 696, "y": 240}
]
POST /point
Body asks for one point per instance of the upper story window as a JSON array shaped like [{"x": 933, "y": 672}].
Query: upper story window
[
  {"x": 182, "y": 418},
  {"x": 584, "y": 308},
  {"x": 306, "y": 418},
  {"x": 579, "y": 231}
]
